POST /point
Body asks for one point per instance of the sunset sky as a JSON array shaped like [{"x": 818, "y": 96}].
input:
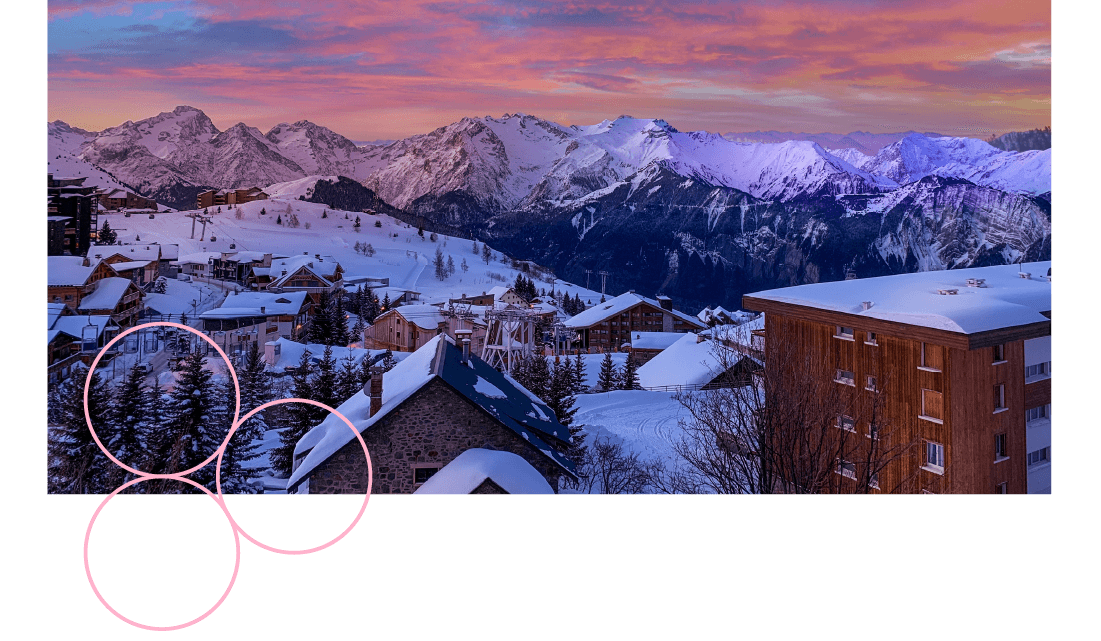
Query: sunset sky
[{"x": 379, "y": 70}]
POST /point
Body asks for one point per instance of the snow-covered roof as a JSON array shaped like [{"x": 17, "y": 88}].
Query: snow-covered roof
[
  {"x": 290, "y": 353},
  {"x": 499, "y": 291},
  {"x": 67, "y": 270},
  {"x": 109, "y": 291},
  {"x": 74, "y": 325},
  {"x": 471, "y": 468},
  {"x": 654, "y": 340},
  {"x": 423, "y": 316},
  {"x": 1007, "y": 300},
  {"x": 198, "y": 258},
  {"x": 244, "y": 304},
  {"x": 240, "y": 257},
  {"x": 686, "y": 362},
  {"x": 133, "y": 264},
  {"x": 497, "y": 393},
  {"x": 320, "y": 267},
  {"x": 53, "y": 312},
  {"x": 618, "y": 305},
  {"x": 131, "y": 252}
]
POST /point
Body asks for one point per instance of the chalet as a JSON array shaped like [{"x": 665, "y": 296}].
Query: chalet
[
  {"x": 478, "y": 471},
  {"x": 507, "y": 296},
  {"x": 74, "y": 338},
  {"x": 720, "y": 316},
  {"x": 695, "y": 363},
  {"x": 397, "y": 295},
  {"x": 481, "y": 300},
  {"x": 211, "y": 198},
  {"x": 410, "y": 327},
  {"x": 69, "y": 279},
  {"x": 283, "y": 353},
  {"x": 317, "y": 275},
  {"x": 236, "y": 266},
  {"x": 258, "y": 316},
  {"x": 959, "y": 360},
  {"x": 116, "y": 297},
  {"x": 140, "y": 263},
  {"x": 608, "y": 325},
  {"x": 421, "y": 416},
  {"x": 197, "y": 264}
]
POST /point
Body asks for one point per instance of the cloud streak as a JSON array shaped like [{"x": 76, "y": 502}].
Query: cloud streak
[{"x": 390, "y": 69}]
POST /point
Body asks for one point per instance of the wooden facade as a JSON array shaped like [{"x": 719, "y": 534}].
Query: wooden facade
[
  {"x": 615, "y": 330},
  {"x": 919, "y": 386}
]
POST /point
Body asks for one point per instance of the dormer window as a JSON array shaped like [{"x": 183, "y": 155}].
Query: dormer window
[{"x": 846, "y": 333}]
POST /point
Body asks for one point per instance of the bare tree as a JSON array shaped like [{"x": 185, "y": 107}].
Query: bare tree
[
  {"x": 786, "y": 428},
  {"x": 609, "y": 468}
]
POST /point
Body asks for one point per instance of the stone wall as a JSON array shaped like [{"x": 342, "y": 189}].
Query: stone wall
[{"x": 435, "y": 425}]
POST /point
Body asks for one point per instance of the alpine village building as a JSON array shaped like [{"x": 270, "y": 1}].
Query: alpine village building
[
  {"x": 415, "y": 419},
  {"x": 608, "y": 326},
  {"x": 958, "y": 363}
]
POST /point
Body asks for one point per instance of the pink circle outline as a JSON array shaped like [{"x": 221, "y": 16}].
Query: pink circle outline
[
  {"x": 281, "y": 401},
  {"x": 236, "y": 563},
  {"x": 229, "y": 367}
]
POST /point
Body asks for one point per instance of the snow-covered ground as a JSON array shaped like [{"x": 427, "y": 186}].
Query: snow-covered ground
[
  {"x": 646, "y": 422},
  {"x": 400, "y": 254}
]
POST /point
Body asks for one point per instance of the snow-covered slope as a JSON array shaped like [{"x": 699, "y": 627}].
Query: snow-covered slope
[{"x": 64, "y": 159}]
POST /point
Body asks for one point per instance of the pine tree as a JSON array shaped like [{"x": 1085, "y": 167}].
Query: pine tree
[
  {"x": 107, "y": 236},
  {"x": 386, "y": 302},
  {"x": 299, "y": 418},
  {"x": 322, "y": 326},
  {"x": 340, "y": 322},
  {"x": 578, "y": 374},
  {"x": 75, "y": 464},
  {"x": 464, "y": 266},
  {"x": 255, "y": 384},
  {"x": 130, "y": 420},
  {"x": 441, "y": 266},
  {"x": 608, "y": 379},
  {"x": 357, "y": 330},
  {"x": 533, "y": 372},
  {"x": 278, "y": 219},
  {"x": 628, "y": 378},
  {"x": 560, "y": 392},
  {"x": 325, "y": 214},
  {"x": 433, "y": 237},
  {"x": 347, "y": 379},
  {"x": 450, "y": 265},
  {"x": 190, "y": 434},
  {"x": 475, "y": 247},
  {"x": 487, "y": 253},
  {"x": 324, "y": 385},
  {"x": 388, "y": 361}
]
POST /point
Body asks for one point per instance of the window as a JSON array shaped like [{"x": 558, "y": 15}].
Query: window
[
  {"x": 846, "y": 469},
  {"x": 934, "y": 457},
  {"x": 846, "y": 423},
  {"x": 999, "y": 398},
  {"x": 422, "y": 474},
  {"x": 873, "y": 431},
  {"x": 931, "y": 357},
  {"x": 1040, "y": 369},
  {"x": 932, "y": 406},
  {"x": 870, "y": 383},
  {"x": 1000, "y": 448},
  {"x": 999, "y": 353},
  {"x": 846, "y": 333},
  {"x": 1038, "y": 413},
  {"x": 1001, "y": 488},
  {"x": 870, "y": 338},
  {"x": 845, "y": 377},
  {"x": 1039, "y": 457}
]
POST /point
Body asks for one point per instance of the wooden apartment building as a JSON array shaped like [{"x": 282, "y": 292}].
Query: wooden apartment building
[
  {"x": 957, "y": 363},
  {"x": 608, "y": 326}
]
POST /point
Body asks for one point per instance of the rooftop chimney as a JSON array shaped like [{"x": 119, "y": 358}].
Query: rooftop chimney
[
  {"x": 373, "y": 389},
  {"x": 464, "y": 336},
  {"x": 866, "y": 305}
]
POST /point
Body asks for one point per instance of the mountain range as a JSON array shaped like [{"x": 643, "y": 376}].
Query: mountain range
[{"x": 692, "y": 214}]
